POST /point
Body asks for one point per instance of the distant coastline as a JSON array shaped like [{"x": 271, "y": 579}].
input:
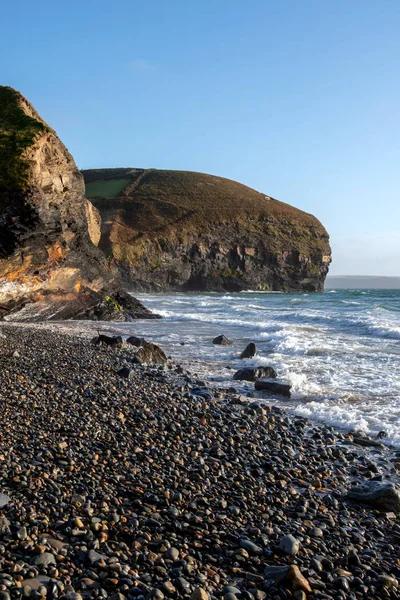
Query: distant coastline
[{"x": 343, "y": 282}]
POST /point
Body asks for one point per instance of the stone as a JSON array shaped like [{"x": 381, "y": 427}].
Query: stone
[
  {"x": 150, "y": 354},
  {"x": 182, "y": 584},
  {"x": 4, "y": 526},
  {"x": 249, "y": 351},
  {"x": 380, "y": 495},
  {"x": 34, "y": 583},
  {"x": 44, "y": 560},
  {"x": 275, "y": 573},
  {"x": 231, "y": 589},
  {"x": 199, "y": 594},
  {"x": 388, "y": 581},
  {"x": 4, "y": 500},
  {"x": 254, "y": 374},
  {"x": 295, "y": 581},
  {"x": 221, "y": 340},
  {"x": 289, "y": 545},
  {"x": 94, "y": 557},
  {"x": 136, "y": 341},
  {"x": 251, "y": 547},
  {"x": 172, "y": 553},
  {"x": 275, "y": 387},
  {"x": 203, "y": 393},
  {"x": 125, "y": 372}
]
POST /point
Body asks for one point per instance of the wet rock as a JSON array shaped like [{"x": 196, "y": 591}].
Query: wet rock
[
  {"x": 275, "y": 387},
  {"x": 136, "y": 341},
  {"x": 202, "y": 392},
  {"x": 150, "y": 354},
  {"x": 107, "y": 340},
  {"x": 367, "y": 441},
  {"x": 221, "y": 340},
  {"x": 249, "y": 374},
  {"x": 249, "y": 351},
  {"x": 383, "y": 496}
]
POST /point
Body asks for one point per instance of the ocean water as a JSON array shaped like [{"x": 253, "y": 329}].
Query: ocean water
[{"x": 340, "y": 350}]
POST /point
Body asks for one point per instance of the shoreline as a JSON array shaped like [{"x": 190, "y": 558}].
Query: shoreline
[{"x": 128, "y": 488}]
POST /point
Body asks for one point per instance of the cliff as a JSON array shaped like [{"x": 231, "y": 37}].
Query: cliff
[
  {"x": 50, "y": 267},
  {"x": 178, "y": 230}
]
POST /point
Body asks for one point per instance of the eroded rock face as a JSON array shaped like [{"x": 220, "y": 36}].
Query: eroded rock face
[
  {"x": 50, "y": 267},
  {"x": 176, "y": 230}
]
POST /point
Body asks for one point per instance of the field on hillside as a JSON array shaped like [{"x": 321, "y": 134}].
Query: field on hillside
[{"x": 106, "y": 189}]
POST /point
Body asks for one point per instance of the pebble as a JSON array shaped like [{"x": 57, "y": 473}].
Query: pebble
[
  {"x": 289, "y": 545},
  {"x": 139, "y": 489}
]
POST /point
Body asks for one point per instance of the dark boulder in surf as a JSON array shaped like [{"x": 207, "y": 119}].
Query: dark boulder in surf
[
  {"x": 221, "y": 340},
  {"x": 249, "y": 351},
  {"x": 273, "y": 386},
  {"x": 250, "y": 374}
]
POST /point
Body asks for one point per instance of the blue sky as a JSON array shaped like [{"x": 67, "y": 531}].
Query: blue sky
[{"x": 296, "y": 98}]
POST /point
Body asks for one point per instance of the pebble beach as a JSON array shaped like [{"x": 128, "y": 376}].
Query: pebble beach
[{"x": 139, "y": 488}]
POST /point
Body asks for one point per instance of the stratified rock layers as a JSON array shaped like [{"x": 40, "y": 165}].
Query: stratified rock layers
[
  {"x": 177, "y": 230},
  {"x": 49, "y": 265}
]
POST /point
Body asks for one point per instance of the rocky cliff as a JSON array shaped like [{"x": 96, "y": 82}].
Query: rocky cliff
[
  {"x": 176, "y": 230},
  {"x": 50, "y": 267}
]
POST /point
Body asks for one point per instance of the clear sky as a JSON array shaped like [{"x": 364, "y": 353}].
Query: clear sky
[{"x": 296, "y": 98}]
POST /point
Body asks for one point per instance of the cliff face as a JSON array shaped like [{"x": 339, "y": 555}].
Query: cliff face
[
  {"x": 50, "y": 267},
  {"x": 175, "y": 230}
]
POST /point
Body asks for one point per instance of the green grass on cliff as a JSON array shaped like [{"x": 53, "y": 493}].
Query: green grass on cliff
[
  {"x": 106, "y": 188},
  {"x": 17, "y": 132}
]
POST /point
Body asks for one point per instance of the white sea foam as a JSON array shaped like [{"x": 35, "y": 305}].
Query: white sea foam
[{"x": 339, "y": 350}]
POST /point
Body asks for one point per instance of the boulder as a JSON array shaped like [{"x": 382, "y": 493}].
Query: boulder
[
  {"x": 249, "y": 351},
  {"x": 150, "y": 354},
  {"x": 380, "y": 495},
  {"x": 249, "y": 374},
  {"x": 113, "y": 341},
  {"x": 273, "y": 386},
  {"x": 136, "y": 341},
  {"x": 221, "y": 340}
]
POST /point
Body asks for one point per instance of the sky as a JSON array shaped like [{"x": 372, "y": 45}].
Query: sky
[{"x": 298, "y": 99}]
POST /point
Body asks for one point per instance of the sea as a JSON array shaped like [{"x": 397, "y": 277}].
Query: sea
[{"x": 339, "y": 350}]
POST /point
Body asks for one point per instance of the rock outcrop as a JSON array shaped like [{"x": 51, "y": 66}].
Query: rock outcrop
[
  {"x": 50, "y": 267},
  {"x": 177, "y": 230}
]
